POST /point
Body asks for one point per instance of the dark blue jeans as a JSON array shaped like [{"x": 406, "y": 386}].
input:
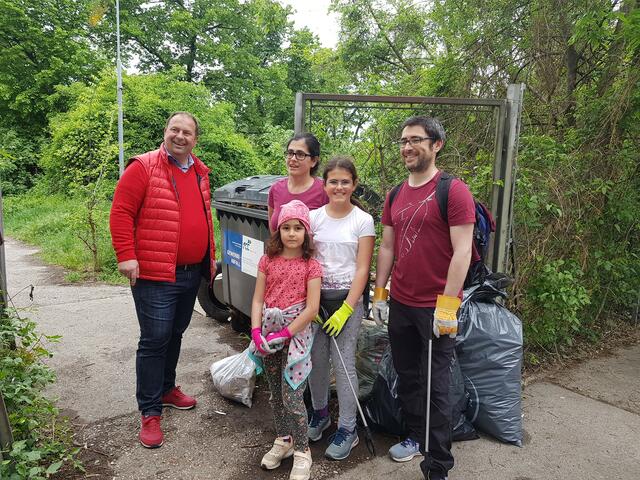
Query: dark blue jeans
[{"x": 164, "y": 311}]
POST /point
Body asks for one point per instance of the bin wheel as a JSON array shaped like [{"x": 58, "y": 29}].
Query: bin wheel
[
  {"x": 210, "y": 304},
  {"x": 240, "y": 322}
]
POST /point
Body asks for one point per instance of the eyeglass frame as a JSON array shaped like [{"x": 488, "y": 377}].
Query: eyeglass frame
[
  {"x": 334, "y": 182},
  {"x": 413, "y": 141},
  {"x": 296, "y": 154}
]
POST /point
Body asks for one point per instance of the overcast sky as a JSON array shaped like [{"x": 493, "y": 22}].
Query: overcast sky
[{"x": 313, "y": 14}]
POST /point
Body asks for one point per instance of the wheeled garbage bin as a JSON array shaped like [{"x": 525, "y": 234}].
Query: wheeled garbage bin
[{"x": 241, "y": 208}]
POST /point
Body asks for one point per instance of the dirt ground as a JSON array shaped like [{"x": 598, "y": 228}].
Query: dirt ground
[{"x": 581, "y": 420}]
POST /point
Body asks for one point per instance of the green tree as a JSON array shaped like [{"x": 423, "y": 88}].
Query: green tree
[
  {"x": 85, "y": 135},
  {"x": 43, "y": 44},
  {"x": 235, "y": 48}
]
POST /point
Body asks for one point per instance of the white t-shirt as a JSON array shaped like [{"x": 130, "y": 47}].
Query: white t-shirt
[{"x": 336, "y": 242}]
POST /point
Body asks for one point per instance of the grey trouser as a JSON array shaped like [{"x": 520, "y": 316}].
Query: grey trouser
[{"x": 324, "y": 349}]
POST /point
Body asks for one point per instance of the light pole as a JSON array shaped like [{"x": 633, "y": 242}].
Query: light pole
[{"x": 119, "y": 88}]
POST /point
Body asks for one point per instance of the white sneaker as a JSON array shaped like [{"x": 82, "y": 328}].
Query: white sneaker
[
  {"x": 281, "y": 449},
  {"x": 301, "y": 466}
]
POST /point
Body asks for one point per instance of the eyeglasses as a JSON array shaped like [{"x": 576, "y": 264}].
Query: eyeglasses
[
  {"x": 413, "y": 141},
  {"x": 297, "y": 153},
  {"x": 343, "y": 183}
]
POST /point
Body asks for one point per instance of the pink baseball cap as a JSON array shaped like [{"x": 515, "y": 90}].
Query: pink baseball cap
[{"x": 294, "y": 210}]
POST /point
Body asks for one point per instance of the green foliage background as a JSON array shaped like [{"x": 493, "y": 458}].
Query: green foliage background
[{"x": 237, "y": 65}]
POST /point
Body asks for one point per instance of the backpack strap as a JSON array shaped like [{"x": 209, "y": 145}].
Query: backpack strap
[
  {"x": 442, "y": 195},
  {"x": 394, "y": 192}
]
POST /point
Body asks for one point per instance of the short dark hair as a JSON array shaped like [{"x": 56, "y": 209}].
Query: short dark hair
[
  {"x": 312, "y": 144},
  {"x": 431, "y": 125},
  {"x": 275, "y": 245},
  {"x": 186, "y": 114}
]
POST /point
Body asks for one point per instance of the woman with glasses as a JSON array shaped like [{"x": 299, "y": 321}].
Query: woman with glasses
[{"x": 302, "y": 156}]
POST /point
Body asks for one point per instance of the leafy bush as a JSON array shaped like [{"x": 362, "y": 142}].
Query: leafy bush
[
  {"x": 42, "y": 440},
  {"x": 86, "y": 135}
]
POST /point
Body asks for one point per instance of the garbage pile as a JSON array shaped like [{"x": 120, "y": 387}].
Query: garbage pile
[{"x": 485, "y": 372}]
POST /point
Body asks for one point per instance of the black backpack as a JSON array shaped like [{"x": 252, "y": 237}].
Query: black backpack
[{"x": 482, "y": 229}]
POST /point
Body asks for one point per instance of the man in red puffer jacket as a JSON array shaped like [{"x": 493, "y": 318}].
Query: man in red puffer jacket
[{"x": 162, "y": 233}]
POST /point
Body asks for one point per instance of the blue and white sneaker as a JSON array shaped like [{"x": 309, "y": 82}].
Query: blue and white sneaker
[
  {"x": 317, "y": 425},
  {"x": 342, "y": 443},
  {"x": 405, "y": 450}
]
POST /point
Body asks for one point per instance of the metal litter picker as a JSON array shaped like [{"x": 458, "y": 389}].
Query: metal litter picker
[{"x": 367, "y": 432}]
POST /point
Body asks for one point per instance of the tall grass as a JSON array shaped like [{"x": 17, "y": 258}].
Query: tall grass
[{"x": 52, "y": 223}]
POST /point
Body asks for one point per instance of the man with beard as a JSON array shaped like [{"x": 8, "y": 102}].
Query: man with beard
[{"x": 431, "y": 258}]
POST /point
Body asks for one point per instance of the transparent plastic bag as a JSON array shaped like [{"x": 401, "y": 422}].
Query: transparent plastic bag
[{"x": 234, "y": 377}]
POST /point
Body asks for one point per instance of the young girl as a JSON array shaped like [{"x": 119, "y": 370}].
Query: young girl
[
  {"x": 285, "y": 301},
  {"x": 344, "y": 236}
]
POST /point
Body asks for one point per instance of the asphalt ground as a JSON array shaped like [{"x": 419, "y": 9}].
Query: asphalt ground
[{"x": 580, "y": 423}]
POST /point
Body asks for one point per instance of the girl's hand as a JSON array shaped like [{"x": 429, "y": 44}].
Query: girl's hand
[
  {"x": 333, "y": 326},
  {"x": 261, "y": 343},
  {"x": 278, "y": 337}
]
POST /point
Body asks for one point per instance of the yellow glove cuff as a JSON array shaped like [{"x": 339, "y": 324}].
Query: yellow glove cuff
[
  {"x": 447, "y": 302},
  {"x": 380, "y": 293},
  {"x": 347, "y": 307}
]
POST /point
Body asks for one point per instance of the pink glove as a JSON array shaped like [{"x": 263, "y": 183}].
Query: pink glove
[
  {"x": 275, "y": 338},
  {"x": 261, "y": 343}
]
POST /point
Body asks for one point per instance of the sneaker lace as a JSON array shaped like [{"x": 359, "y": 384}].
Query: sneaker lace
[
  {"x": 409, "y": 443},
  {"x": 340, "y": 436}
]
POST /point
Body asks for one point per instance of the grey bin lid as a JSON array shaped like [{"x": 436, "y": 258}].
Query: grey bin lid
[{"x": 250, "y": 191}]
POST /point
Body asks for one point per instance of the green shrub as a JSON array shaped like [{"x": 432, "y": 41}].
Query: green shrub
[
  {"x": 42, "y": 440},
  {"x": 84, "y": 139}
]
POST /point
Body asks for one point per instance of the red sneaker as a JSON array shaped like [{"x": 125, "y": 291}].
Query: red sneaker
[
  {"x": 150, "y": 432},
  {"x": 176, "y": 399}
]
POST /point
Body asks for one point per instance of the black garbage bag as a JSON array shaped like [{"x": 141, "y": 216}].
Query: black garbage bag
[
  {"x": 463, "y": 429},
  {"x": 489, "y": 349},
  {"x": 383, "y": 409},
  {"x": 384, "y": 413}
]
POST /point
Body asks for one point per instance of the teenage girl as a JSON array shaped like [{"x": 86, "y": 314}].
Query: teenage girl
[
  {"x": 344, "y": 236},
  {"x": 285, "y": 302},
  {"x": 302, "y": 156}
]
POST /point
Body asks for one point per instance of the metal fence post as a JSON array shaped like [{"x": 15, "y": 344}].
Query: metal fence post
[
  {"x": 507, "y": 176},
  {"x": 298, "y": 119}
]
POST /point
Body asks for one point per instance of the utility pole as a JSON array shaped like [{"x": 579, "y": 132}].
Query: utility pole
[{"x": 119, "y": 87}]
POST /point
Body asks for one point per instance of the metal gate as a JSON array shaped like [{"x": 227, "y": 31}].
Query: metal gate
[{"x": 483, "y": 134}]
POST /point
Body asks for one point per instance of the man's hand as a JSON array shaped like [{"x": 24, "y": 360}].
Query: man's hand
[
  {"x": 333, "y": 326},
  {"x": 379, "y": 306},
  {"x": 445, "y": 319},
  {"x": 130, "y": 269}
]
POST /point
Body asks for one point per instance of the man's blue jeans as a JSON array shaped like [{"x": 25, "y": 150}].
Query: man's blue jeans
[{"x": 164, "y": 311}]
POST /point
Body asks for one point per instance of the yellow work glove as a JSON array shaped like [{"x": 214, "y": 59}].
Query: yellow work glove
[
  {"x": 334, "y": 325},
  {"x": 379, "y": 306},
  {"x": 445, "y": 319}
]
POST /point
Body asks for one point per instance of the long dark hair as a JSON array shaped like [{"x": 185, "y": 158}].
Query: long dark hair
[
  {"x": 312, "y": 144},
  {"x": 275, "y": 245},
  {"x": 346, "y": 163}
]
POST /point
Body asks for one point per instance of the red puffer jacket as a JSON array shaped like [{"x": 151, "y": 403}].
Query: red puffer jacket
[{"x": 145, "y": 218}]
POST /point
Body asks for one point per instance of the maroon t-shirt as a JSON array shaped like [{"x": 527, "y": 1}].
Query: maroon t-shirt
[
  {"x": 422, "y": 243},
  {"x": 313, "y": 197}
]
